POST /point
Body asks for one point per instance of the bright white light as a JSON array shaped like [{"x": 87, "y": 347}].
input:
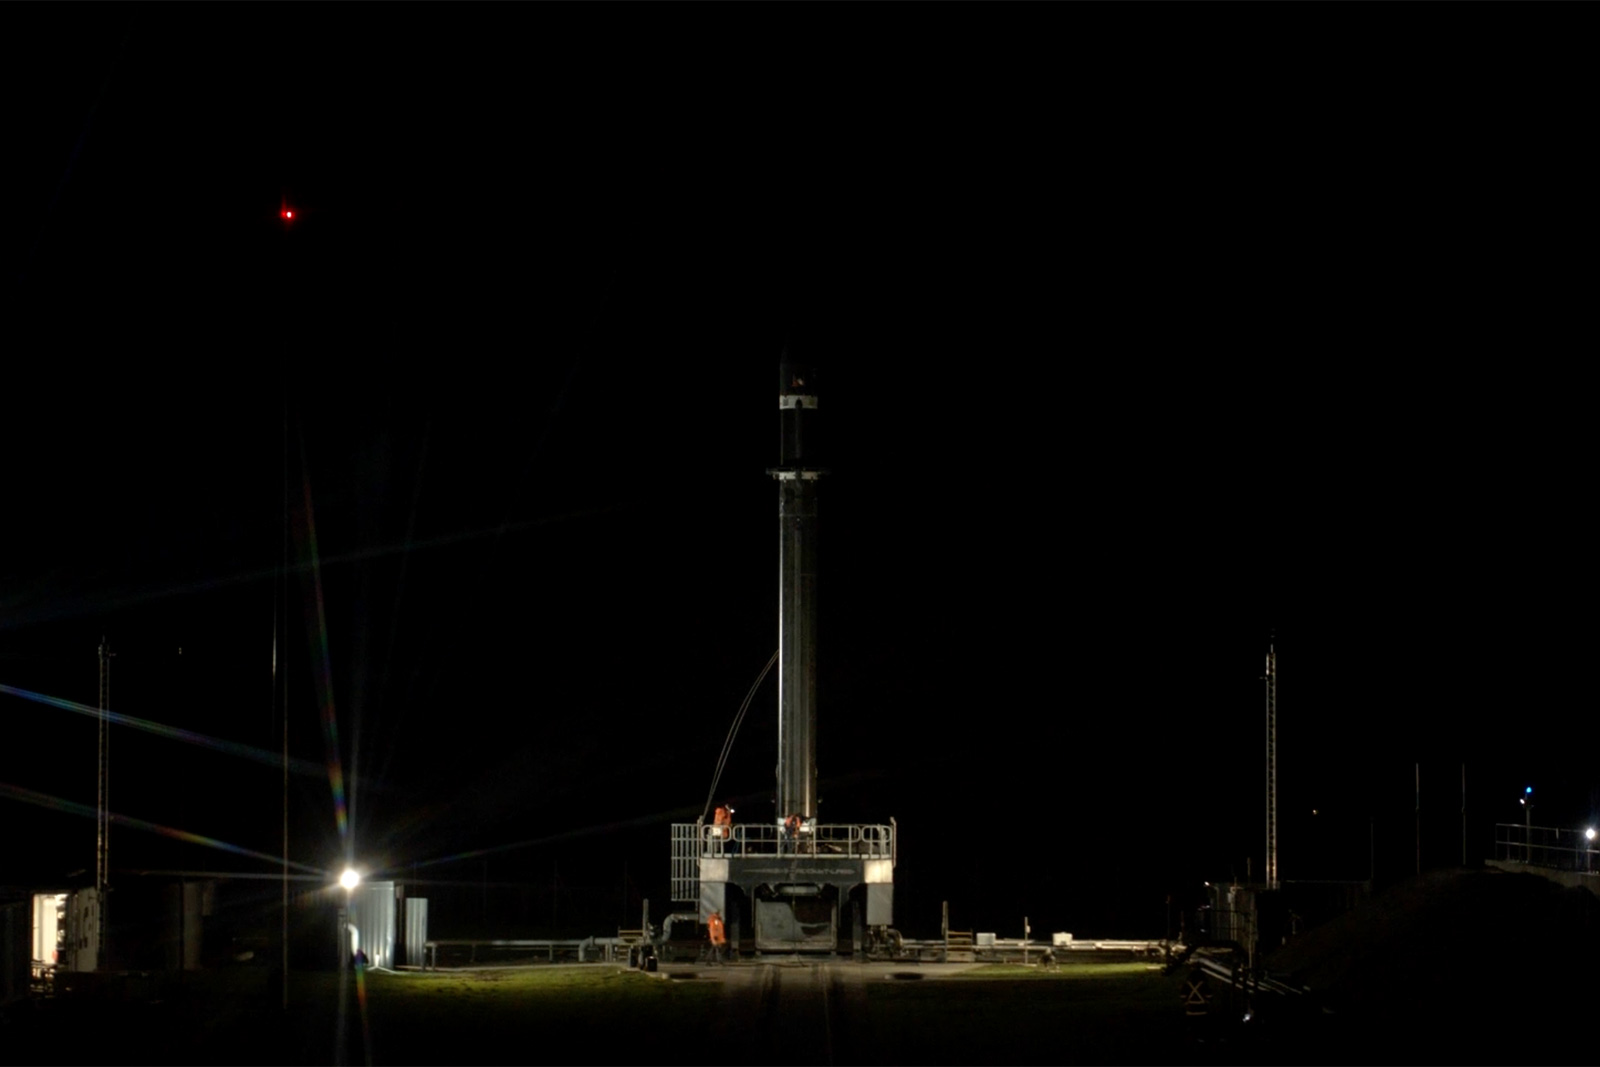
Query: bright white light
[
  {"x": 1589, "y": 833},
  {"x": 349, "y": 879}
]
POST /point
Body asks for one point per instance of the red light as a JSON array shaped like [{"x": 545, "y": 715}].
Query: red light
[{"x": 287, "y": 214}]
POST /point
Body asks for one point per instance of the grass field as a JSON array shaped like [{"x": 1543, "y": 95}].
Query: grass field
[
  {"x": 595, "y": 1014},
  {"x": 1082, "y": 1013},
  {"x": 600, "y": 1014}
]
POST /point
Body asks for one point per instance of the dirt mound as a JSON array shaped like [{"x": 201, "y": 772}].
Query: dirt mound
[{"x": 1469, "y": 956}]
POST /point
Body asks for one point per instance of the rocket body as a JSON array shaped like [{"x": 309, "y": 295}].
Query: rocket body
[{"x": 797, "y": 478}]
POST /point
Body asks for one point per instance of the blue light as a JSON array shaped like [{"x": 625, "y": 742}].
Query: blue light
[{"x": 1528, "y": 790}]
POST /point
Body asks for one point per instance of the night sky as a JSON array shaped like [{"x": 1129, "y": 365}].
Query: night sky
[{"x": 1117, "y": 382}]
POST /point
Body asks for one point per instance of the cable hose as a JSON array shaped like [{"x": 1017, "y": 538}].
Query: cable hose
[
  {"x": 738, "y": 720},
  {"x": 733, "y": 731}
]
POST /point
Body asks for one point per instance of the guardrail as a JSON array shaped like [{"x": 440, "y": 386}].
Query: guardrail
[
  {"x": 1545, "y": 846},
  {"x": 756, "y": 839},
  {"x": 580, "y": 951},
  {"x": 696, "y": 841}
]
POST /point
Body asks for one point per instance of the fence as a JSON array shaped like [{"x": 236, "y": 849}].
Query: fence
[{"x": 1546, "y": 846}]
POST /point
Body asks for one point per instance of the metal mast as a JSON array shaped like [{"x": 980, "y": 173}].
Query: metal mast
[
  {"x": 1272, "y": 767},
  {"x": 102, "y": 853},
  {"x": 797, "y": 592}
]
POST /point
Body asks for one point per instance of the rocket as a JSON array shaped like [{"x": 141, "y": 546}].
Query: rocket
[{"x": 797, "y": 477}]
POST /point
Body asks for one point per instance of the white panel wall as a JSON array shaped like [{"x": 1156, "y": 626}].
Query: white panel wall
[{"x": 373, "y": 913}]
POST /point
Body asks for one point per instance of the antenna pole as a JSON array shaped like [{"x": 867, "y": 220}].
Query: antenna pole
[
  {"x": 1272, "y": 766},
  {"x": 102, "y": 857},
  {"x": 280, "y": 624}
]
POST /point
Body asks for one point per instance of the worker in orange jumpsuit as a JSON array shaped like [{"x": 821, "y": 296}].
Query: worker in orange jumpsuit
[
  {"x": 718, "y": 935},
  {"x": 722, "y": 819}
]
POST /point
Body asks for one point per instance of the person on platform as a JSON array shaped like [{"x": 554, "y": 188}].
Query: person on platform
[
  {"x": 722, "y": 820},
  {"x": 791, "y": 832},
  {"x": 718, "y": 935}
]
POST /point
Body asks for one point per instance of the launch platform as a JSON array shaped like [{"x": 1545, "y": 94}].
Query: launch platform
[{"x": 828, "y": 888}]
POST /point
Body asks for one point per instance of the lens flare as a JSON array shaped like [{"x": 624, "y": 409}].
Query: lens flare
[
  {"x": 217, "y": 744},
  {"x": 322, "y": 674},
  {"x": 43, "y": 800},
  {"x": 653, "y": 818}
]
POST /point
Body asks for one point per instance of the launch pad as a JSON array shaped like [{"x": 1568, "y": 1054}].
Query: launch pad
[
  {"x": 828, "y": 889},
  {"x": 801, "y": 884}
]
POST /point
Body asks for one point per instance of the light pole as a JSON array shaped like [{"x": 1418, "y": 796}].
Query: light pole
[
  {"x": 349, "y": 880},
  {"x": 1527, "y": 824},
  {"x": 1588, "y": 853}
]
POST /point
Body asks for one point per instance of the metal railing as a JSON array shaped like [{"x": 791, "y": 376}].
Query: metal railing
[
  {"x": 518, "y": 952},
  {"x": 686, "y": 862},
  {"x": 1223, "y": 925},
  {"x": 696, "y": 841},
  {"x": 755, "y": 839},
  {"x": 1545, "y": 846}
]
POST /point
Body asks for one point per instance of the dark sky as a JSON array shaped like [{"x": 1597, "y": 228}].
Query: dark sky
[{"x": 1118, "y": 380}]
